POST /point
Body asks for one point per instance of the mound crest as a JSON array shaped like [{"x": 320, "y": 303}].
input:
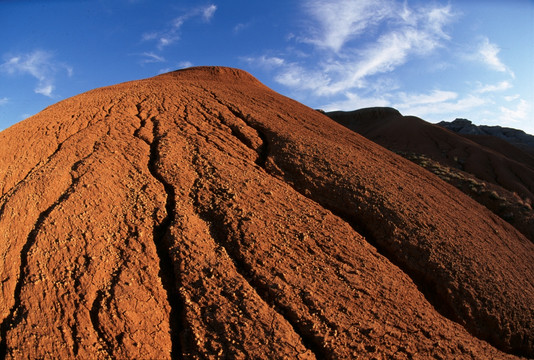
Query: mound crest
[{"x": 198, "y": 214}]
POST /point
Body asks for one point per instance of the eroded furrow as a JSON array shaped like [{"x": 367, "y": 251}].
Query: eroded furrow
[
  {"x": 217, "y": 223},
  {"x": 425, "y": 284},
  {"x": 95, "y": 322},
  {"x": 18, "y": 310},
  {"x": 40, "y": 165},
  {"x": 162, "y": 240},
  {"x": 263, "y": 150}
]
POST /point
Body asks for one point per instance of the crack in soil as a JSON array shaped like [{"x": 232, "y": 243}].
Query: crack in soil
[
  {"x": 425, "y": 285},
  {"x": 106, "y": 295},
  {"x": 219, "y": 233},
  {"x": 162, "y": 240},
  {"x": 93, "y": 314},
  {"x": 263, "y": 151},
  {"x": 41, "y": 164},
  {"x": 18, "y": 311}
]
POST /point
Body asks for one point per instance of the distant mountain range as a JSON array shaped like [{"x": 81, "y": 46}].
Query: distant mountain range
[{"x": 515, "y": 137}]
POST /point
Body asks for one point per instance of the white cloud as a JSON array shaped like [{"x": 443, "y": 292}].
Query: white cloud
[
  {"x": 428, "y": 109},
  {"x": 3, "y": 101},
  {"x": 208, "y": 12},
  {"x": 185, "y": 64},
  {"x": 514, "y": 115},
  {"x": 344, "y": 67},
  {"x": 503, "y": 85},
  {"x": 342, "y": 20},
  {"x": 180, "y": 65},
  {"x": 435, "y": 97},
  {"x": 512, "y": 97},
  {"x": 150, "y": 57},
  {"x": 265, "y": 61},
  {"x": 149, "y": 36},
  {"x": 300, "y": 78},
  {"x": 39, "y": 64},
  {"x": 45, "y": 90},
  {"x": 489, "y": 54},
  {"x": 240, "y": 27},
  {"x": 171, "y": 34}
]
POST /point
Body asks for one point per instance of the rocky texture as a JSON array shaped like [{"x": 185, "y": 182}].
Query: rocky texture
[
  {"x": 507, "y": 205},
  {"x": 199, "y": 214},
  {"x": 513, "y": 136}
]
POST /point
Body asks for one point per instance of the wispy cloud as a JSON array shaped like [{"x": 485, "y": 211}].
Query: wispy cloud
[
  {"x": 435, "y": 97},
  {"x": 240, "y": 27},
  {"x": 520, "y": 112},
  {"x": 510, "y": 98},
  {"x": 3, "y": 101},
  {"x": 150, "y": 57},
  {"x": 41, "y": 65},
  {"x": 171, "y": 34},
  {"x": 337, "y": 22},
  {"x": 344, "y": 67},
  {"x": 503, "y": 85},
  {"x": 446, "y": 105},
  {"x": 488, "y": 53},
  {"x": 265, "y": 61},
  {"x": 208, "y": 12},
  {"x": 354, "y": 101},
  {"x": 180, "y": 65}
]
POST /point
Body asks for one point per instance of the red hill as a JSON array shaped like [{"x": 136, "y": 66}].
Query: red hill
[{"x": 198, "y": 214}]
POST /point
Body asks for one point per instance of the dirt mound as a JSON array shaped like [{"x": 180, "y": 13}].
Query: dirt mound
[{"x": 198, "y": 214}]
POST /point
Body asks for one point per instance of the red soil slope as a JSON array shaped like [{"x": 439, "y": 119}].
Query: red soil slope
[
  {"x": 488, "y": 158},
  {"x": 199, "y": 214}
]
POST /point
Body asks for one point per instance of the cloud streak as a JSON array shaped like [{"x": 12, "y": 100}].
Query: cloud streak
[
  {"x": 171, "y": 34},
  {"x": 340, "y": 21},
  {"x": 514, "y": 115},
  {"x": 346, "y": 65},
  {"x": 488, "y": 53},
  {"x": 41, "y": 65},
  {"x": 503, "y": 85},
  {"x": 429, "y": 109},
  {"x": 150, "y": 57}
]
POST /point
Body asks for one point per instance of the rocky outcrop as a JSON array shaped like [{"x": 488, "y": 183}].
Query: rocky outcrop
[
  {"x": 198, "y": 214},
  {"x": 515, "y": 137}
]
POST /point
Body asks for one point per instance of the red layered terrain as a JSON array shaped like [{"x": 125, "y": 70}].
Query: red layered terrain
[{"x": 198, "y": 214}]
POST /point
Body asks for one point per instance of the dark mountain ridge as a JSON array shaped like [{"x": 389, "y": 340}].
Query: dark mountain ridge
[{"x": 515, "y": 137}]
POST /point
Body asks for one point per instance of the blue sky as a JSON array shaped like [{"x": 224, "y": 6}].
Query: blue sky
[{"x": 434, "y": 59}]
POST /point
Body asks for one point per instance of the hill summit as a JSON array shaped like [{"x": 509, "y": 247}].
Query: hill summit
[{"x": 199, "y": 214}]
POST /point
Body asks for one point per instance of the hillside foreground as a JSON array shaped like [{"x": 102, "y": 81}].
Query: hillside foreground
[{"x": 199, "y": 214}]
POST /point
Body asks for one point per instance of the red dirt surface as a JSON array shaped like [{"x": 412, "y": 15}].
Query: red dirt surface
[{"x": 198, "y": 214}]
